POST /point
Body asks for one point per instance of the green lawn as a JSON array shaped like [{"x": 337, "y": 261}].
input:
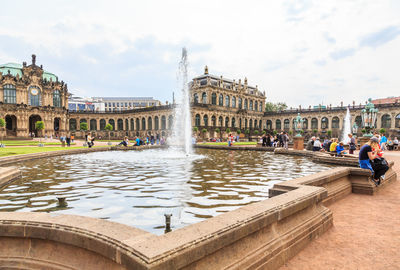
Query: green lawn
[
  {"x": 29, "y": 143},
  {"x": 226, "y": 143},
  {"x": 29, "y": 150}
]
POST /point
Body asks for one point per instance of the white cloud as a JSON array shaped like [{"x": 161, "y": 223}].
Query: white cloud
[{"x": 301, "y": 52}]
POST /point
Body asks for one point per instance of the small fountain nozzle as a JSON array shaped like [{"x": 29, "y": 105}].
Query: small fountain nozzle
[
  {"x": 167, "y": 223},
  {"x": 62, "y": 201}
]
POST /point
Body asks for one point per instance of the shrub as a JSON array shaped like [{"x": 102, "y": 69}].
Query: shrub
[
  {"x": 382, "y": 131},
  {"x": 39, "y": 125},
  {"x": 256, "y": 132},
  {"x": 83, "y": 126},
  {"x": 2, "y": 123},
  {"x": 204, "y": 130},
  {"x": 238, "y": 131},
  {"x": 195, "y": 129},
  {"x": 108, "y": 127},
  {"x": 247, "y": 131},
  {"x": 228, "y": 130},
  {"x": 217, "y": 130}
]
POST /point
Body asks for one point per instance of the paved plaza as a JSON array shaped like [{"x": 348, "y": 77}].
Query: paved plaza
[{"x": 365, "y": 235}]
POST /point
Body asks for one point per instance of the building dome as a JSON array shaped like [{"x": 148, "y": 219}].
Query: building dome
[{"x": 15, "y": 69}]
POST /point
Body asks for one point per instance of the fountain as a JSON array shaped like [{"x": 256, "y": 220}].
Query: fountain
[
  {"x": 182, "y": 128},
  {"x": 346, "y": 128}
]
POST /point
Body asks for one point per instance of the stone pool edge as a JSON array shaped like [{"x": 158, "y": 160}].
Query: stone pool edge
[{"x": 261, "y": 235}]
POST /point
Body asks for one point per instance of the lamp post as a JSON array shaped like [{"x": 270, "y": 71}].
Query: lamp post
[{"x": 368, "y": 116}]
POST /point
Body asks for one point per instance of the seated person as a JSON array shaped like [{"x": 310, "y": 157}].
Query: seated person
[
  {"x": 137, "y": 141},
  {"x": 390, "y": 145},
  {"x": 125, "y": 142},
  {"x": 332, "y": 147},
  {"x": 340, "y": 149},
  {"x": 395, "y": 143}
]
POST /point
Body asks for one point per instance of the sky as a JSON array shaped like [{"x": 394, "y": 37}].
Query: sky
[{"x": 304, "y": 52}]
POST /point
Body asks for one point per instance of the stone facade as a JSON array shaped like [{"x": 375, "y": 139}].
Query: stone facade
[
  {"x": 332, "y": 119},
  {"x": 29, "y": 94}
]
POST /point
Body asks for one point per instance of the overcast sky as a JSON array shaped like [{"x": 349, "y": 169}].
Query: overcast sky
[{"x": 299, "y": 52}]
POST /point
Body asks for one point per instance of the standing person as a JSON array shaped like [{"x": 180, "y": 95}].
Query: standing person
[
  {"x": 89, "y": 140},
  {"x": 264, "y": 140},
  {"x": 352, "y": 144},
  {"x": 383, "y": 142},
  {"x": 68, "y": 140},
  {"x": 285, "y": 140},
  {"x": 367, "y": 155},
  {"x": 280, "y": 139},
  {"x": 152, "y": 139},
  {"x": 72, "y": 138},
  {"x": 269, "y": 140}
]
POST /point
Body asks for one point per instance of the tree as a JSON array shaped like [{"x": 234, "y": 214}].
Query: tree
[
  {"x": 275, "y": 107},
  {"x": 83, "y": 126},
  {"x": 204, "y": 130},
  {"x": 382, "y": 131},
  {"x": 2, "y": 125},
  {"x": 109, "y": 128},
  {"x": 39, "y": 125}
]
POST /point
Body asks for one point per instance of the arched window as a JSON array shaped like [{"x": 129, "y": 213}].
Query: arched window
[
  {"x": 214, "y": 99},
  {"x": 226, "y": 121},
  {"x": 286, "y": 124},
  {"x": 72, "y": 124},
  {"x": 233, "y": 122},
  {"x": 305, "y": 123},
  {"x": 233, "y": 102},
  {"x": 56, "y": 98},
  {"x": 269, "y": 124},
  {"x": 213, "y": 120},
  {"x": 227, "y": 101},
  {"x": 120, "y": 124},
  {"x": 196, "y": 98},
  {"x": 205, "y": 119},
  {"x": 245, "y": 104},
  {"x": 143, "y": 123},
  {"x": 102, "y": 124},
  {"x": 255, "y": 106},
  {"x": 132, "y": 124},
  {"x": 156, "y": 123},
  {"x": 261, "y": 107},
  {"x": 255, "y": 124},
  {"x": 197, "y": 120},
  {"x": 314, "y": 123},
  {"x": 251, "y": 105},
  {"x": 204, "y": 98},
  {"x": 10, "y": 94},
  {"x": 163, "y": 122},
  {"x": 170, "y": 121},
  {"x": 386, "y": 121},
  {"x": 335, "y": 122},
  {"x": 293, "y": 123},
  {"x": 34, "y": 96},
  {"x": 240, "y": 103},
  {"x": 251, "y": 123},
  {"x": 324, "y": 123},
  {"x": 397, "y": 121},
  {"x": 278, "y": 124},
  {"x": 220, "y": 121},
  {"x": 112, "y": 122},
  {"x": 126, "y": 124},
  {"x": 240, "y": 123},
  {"x": 137, "y": 124},
  {"x": 149, "y": 123},
  {"x": 358, "y": 121},
  {"x": 221, "y": 100},
  {"x": 260, "y": 123},
  {"x": 93, "y": 124}
]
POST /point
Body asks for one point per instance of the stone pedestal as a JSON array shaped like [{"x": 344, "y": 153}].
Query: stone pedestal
[
  {"x": 362, "y": 140},
  {"x": 298, "y": 143}
]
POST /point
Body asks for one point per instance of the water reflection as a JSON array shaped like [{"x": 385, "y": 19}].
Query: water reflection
[{"x": 138, "y": 187}]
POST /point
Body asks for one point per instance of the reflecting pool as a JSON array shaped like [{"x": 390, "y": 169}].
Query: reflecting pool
[{"x": 138, "y": 187}]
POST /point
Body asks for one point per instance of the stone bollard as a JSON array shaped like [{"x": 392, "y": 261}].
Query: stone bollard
[{"x": 167, "y": 223}]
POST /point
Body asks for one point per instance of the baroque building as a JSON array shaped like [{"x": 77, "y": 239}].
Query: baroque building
[{"x": 29, "y": 94}]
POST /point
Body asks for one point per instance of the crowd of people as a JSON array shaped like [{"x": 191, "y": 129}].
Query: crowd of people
[
  {"x": 278, "y": 140},
  {"x": 332, "y": 145}
]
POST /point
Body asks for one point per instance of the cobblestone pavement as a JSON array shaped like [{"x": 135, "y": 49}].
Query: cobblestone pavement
[{"x": 365, "y": 235}]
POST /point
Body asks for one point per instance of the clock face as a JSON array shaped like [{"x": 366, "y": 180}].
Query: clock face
[{"x": 34, "y": 91}]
